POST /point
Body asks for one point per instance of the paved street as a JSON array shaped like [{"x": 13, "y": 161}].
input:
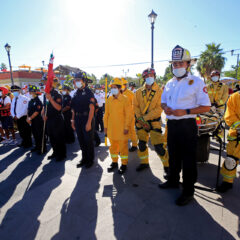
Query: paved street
[{"x": 42, "y": 199}]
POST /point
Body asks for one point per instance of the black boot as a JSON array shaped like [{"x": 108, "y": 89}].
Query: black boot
[
  {"x": 168, "y": 184},
  {"x": 34, "y": 149},
  {"x": 122, "y": 169},
  {"x": 88, "y": 164},
  {"x": 224, "y": 187},
  {"x": 112, "y": 167},
  {"x": 142, "y": 166},
  {"x": 132, "y": 149},
  {"x": 81, "y": 164},
  {"x": 51, "y": 156},
  {"x": 184, "y": 199},
  {"x": 165, "y": 174}
]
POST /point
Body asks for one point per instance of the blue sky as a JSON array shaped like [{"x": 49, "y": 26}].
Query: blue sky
[{"x": 97, "y": 33}]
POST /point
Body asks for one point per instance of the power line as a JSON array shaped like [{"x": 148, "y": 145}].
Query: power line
[{"x": 140, "y": 63}]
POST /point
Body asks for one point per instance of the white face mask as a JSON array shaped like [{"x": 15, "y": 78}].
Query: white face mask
[
  {"x": 97, "y": 91},
  {"x": 64, "y": 92},
  {"x": 31, "y": 96},
  {"x": 179, "y": 72},
  {"x": 149, "y": 81},
  {"x": 114, "y": 91},
  {"x": 78, "y": 84},
  {"x": 215, "y": 78}
]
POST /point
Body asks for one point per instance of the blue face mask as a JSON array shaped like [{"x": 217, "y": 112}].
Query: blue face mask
[
  {"x": 15, "y": 94},
  {"x": 149, "y": 81}
]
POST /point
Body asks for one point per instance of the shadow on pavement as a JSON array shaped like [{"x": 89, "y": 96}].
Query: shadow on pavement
[
  {"x": 79, "y": 211},
  {"x": 21, "y": 221},
  {"x": 25, "y": 168},
  {"x": 11, "y": 158}
]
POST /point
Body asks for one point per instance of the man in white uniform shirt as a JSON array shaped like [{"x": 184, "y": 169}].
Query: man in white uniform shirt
[
  {"x": 100, "y": 100},
  {"x": 19, "y": 108},
  {"x": 184, "y": 96}
]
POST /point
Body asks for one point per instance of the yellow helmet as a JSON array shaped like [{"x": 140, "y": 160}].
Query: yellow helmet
[
  {"x": 116, "y": 81},
  {"x": 124, "y": 81},
  {"x": 8, "y": 87}
]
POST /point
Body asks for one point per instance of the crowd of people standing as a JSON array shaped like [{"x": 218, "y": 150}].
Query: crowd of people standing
[{"x": 127, "y": 114}]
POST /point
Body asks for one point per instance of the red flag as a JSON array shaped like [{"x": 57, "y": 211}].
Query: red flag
[{"x": 50, "y": 75}]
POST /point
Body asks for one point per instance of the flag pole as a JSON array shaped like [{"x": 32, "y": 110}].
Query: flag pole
[
  {"x": 47, "y": 90},
  {"x": 105, "y": 102},
  {"x": 44, "y": 127}
]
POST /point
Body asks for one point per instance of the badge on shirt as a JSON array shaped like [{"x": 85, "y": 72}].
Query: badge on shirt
[
  {"x": 190, "y": 82},
  {"x": 205, "y": 90},
  {"x": 24, "y": 102}
]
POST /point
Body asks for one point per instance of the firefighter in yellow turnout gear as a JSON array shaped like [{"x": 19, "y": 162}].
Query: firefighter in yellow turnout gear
[
  {"x": 132, "y": 132},
  {"x": 147, "y": 107},
  {"x": 117, "y": 119},
  {"x": 232, "y": 119},
  {"x": 218, "y": 95},
  {"x": 217, "y": 91}
]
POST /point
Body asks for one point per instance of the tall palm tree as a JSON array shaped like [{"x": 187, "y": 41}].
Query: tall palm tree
[{"x": 211, "y": 59}]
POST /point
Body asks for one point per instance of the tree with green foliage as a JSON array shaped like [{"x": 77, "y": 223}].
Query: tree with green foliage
[
  {"x": 69, "y": 81},
  {"x": 167, "y": 75},
  {"x": 3, "y": 66},
  {"x": 232, "y": 72},
  {"x": 102, "y": 79},
  {"x": 211, "y": 59}
]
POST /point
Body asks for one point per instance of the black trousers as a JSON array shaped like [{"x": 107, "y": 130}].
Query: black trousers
[
  {"x": 99, "y": 119},
  {"x": 37, "y": 131},
  {"x": 69, "y": 133},
  {"x": 24, "y": 131},
  {"x": 55, "y": 130},
  {"x": 85, "y": 138},
  {"x": 182, "y": 145}
]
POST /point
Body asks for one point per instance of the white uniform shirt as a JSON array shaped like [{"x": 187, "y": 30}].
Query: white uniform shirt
[
  {"x": 100, "y": 98},
  {"x": 190, "y": 92},
  {"x": 6, "y": 100},
  {"x": 21, "y": 107},
  {"x": 72, "y": 92}
]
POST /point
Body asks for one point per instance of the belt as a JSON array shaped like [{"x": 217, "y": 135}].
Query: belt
[{"x": 81, "y": 114}]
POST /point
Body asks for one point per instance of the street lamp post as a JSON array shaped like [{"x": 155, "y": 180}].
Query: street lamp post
[
  {"x": 152, "y": 18},
  {"x": 8, "y": 48}
]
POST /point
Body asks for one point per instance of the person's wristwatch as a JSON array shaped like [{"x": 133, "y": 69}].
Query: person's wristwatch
[{"x": 188, "y": 111}]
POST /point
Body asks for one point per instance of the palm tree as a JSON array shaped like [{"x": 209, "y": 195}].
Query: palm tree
[{"x": 211, "y": 59}]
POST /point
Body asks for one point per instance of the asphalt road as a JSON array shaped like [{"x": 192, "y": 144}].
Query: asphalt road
[{"x": 42, "y": 199}]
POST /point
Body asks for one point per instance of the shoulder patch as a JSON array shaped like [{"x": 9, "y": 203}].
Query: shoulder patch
[
  {"x": 59, "y": 100},
  {"x": 205, "y": 90}
]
